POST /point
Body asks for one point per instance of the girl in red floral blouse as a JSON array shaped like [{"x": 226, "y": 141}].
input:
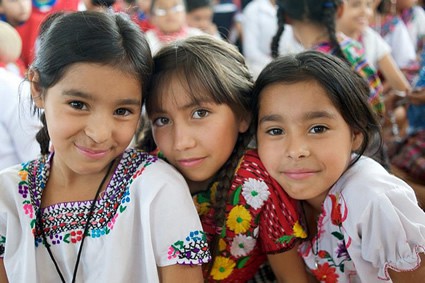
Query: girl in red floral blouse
[{"x": 198, "y": 104}]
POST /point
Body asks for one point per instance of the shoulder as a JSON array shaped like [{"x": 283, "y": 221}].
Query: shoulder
[
  {"x": 148, "y": 171},
  {"x": 368, "y": 183}
]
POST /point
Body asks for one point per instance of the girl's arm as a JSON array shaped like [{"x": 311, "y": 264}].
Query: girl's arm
[
  {"x": 393, "y": 74},
  {"x": 414, "y": 276},
  {"x": 289, "y": 267},
  {"x": 178, "y": 273},
  {"x": 3, "y": 277}
]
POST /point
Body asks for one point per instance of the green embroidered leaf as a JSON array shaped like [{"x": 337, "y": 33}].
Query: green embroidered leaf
[
  {"x": 203, "y": 198},
  {"x": 257, "y": 218},
  {"x": 65, "y": 239},
  {"x": 341, "y": 267},
  {"x": 223, "y": 232},
  {"x": 241, "y": 262},
  {"x": 338, "y": 235},
  {"x": 122, "y": 208},
  {"x": 26, "y": 202},
  {"x": 284, "y": 239},
  {"x": 32, "y": 223},
  {"x": 236, "y": 195}
]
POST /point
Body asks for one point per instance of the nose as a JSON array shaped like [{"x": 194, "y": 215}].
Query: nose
[
  {"x": 296, "y": 148},
  {"x": 183, "y": 137},
  {"x": 99, "y": 128}
]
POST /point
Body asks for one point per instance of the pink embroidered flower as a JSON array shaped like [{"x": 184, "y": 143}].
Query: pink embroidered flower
[{"x": 28, "y": 209}]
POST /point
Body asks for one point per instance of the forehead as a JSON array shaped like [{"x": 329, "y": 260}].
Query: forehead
[{"x": 167, "y": 3}]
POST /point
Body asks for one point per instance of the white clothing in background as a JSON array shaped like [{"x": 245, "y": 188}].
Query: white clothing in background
[
  {"x": 17, "y": 126},
  {"x": 375, "y": 46}
]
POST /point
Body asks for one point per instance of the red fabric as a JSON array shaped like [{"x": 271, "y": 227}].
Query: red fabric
[{"x": 30, "y": 29}]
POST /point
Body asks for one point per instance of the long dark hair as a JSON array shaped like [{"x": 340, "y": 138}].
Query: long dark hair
[
  {"x": 214, "y": 71},
  {"x": 347, "y": 90},
  {"x": 90, "y": 37},
  {"x": 321, "y": 12}
]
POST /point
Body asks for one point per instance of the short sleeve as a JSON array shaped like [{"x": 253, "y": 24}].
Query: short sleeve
[
  {"x": 393, "y": 231},
  {"x": 279, "y": 225},
  {"x": 176, "y": 230}
]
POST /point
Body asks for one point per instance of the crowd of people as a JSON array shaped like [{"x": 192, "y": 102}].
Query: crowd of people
[{"x": 212, "y": 141}]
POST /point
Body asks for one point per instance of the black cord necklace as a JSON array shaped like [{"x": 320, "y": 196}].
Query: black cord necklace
[{"x": 86, "y": 227}]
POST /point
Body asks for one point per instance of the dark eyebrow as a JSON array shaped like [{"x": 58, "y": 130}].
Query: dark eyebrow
[
  {"x": 270, "y": 118},
  {"x": 308, "y": 116},
  {"x": 319, "y": 114},
  {"x": 84, "y": 95}
]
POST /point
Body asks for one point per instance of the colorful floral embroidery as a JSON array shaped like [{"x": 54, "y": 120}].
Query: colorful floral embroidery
[
  {"x": 222, "y": 268},
  {"x": 239, "y": 219},
  {"x": 2, "y": 244},
  {"x": 242, "y": 245},
  {"x": 64, "y": 222},
  {"x": 249, "y": 199},
  {"x": 326, "y": 273},
  {"x": 335, "y": 260},
  {"x": 194, "y": 248},
  {"x": 255, "y": 192}
]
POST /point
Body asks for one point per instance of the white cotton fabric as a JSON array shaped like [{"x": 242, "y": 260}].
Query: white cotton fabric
[
  {"x": 375, "y": 47},
  {"x": 158, "y": 212},
  {"x": 383, "y": 226},
  {"x": 18, "y": 126}
]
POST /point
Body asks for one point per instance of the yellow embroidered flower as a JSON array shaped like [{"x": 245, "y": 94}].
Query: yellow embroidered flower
[
  {"x": 299, "y": 231},
  {"x": 222, "y": 268},
  {"x": 239, "y": 219},
  {"x": 222, "y": 245},
  {"x": 213, "y": 191},
  {"x": 23, "y": 174}
]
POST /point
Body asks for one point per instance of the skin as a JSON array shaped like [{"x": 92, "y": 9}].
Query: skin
[
  {"x": 201, "y": 18},
  {"x": 315, "y": 142},
  {"x": 16, "y": 11},
  {"x": 172, "y": 21},
  {"x": 352, "y": 22},
  {"x": 198, "y": 140},
  {"x": 3, "y": 277},
  {"x": 91, "y": 121}
]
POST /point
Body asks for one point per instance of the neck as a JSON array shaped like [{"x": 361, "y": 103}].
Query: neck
[
  {"x": 196, "y": 187},
  {"x": 309, "y": 34}
]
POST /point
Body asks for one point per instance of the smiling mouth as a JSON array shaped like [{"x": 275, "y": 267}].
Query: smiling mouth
[
  {"x": 92, "y": 153},
  {"x": 190, "y": 162}
]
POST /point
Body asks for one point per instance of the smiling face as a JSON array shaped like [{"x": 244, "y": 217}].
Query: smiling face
[
  {"x": 169, "y": 15},
  {"x": 303, "y": 140},
  {"x": 91, "y": 114},
  {"x": 16, "y": 11},
  {"x": 196, "y": 138},
  {"x": 355, "y": 17}
]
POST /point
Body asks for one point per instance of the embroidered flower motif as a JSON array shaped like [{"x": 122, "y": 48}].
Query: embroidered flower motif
[
  {"x": 55, "y": 239},
  {"x": 222, "y": 246},
  {"x": 336, "y": 216},
  {"x": 76, "y": 236},
  {"x": 239, "y": 219},
  {"x": 112, "y": 222},
  {"x": 222, "y": 268},
  {"x": 2, "y": 244},
  {"x": 28, "y": 209},
  {"x": 192, "y": 250},
  {"x": 255, "y": 192},
  {"x": 326, "y": 273},
  {"x": 23, "y": 174},
  {"x": 242, "y": 245},
  {"x": 299, "y": 231}
]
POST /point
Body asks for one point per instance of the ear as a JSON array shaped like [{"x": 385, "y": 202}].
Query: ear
[
  {"x": 36, "y": 90},
  {"x": 340, "y": 10},
  {"x": 244, "y": 124},
  {"x": 357, "y": 140}
]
